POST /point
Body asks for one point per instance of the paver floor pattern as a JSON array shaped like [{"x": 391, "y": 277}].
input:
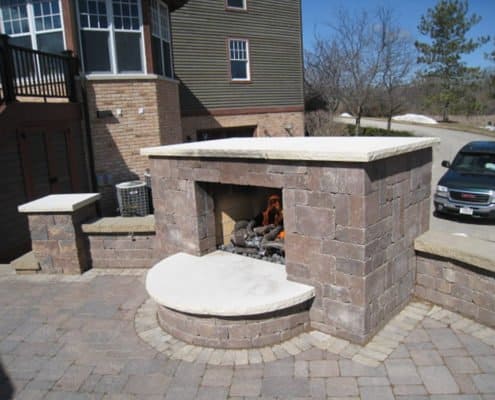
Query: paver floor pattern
[{"x": 75, "y": 338}]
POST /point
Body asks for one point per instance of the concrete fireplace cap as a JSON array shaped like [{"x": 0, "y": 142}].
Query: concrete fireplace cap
[
  {"x": 343, "y": 149},
  {"x": 223, "y": 284},
  {"x": 59, "y": 203}
]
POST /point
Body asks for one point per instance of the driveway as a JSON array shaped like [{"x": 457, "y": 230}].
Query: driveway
[{"x": 450, "y": 143}]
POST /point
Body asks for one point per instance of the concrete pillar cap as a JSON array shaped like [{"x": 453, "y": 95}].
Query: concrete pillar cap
[{"x": 59, "y": 203}]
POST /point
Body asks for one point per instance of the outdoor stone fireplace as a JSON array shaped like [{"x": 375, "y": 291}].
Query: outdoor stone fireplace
[{"x": 352, "y": 209}]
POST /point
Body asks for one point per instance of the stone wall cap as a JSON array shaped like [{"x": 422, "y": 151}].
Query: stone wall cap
[
  {"x": 223, "y": 284},
  {"x": 129, "y": 77},
  {"x": 62, "y": 203},
  {"x": 475, "y": 252},
  {"x": 335, "y": 148},
  {"x": 121, "y": 225},
  {"x": 26, "y": 262}
]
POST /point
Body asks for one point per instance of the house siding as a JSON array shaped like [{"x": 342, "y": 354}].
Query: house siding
[{"x": 201, "y": 30}]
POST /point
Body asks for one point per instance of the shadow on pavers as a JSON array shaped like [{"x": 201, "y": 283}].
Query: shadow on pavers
[{"x": 6, "y": 388}]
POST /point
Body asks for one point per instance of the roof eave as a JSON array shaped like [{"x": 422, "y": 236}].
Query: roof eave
[{"x": 175, "y": 4}]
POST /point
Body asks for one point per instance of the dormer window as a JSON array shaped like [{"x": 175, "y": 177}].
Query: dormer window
[{"x": 236, "y": 4}]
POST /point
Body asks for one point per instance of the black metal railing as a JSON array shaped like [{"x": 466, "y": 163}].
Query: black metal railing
[{"x": 32, "y": 73}]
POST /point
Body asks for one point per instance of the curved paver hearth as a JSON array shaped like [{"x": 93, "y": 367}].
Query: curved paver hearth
[{"x": 224, "y": 300}]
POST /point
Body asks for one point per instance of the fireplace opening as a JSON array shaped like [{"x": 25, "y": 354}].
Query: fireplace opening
[{"x": 249, "y": 221}]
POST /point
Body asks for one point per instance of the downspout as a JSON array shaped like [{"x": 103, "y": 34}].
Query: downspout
[
  {"x": 70, "y": 18},
  {"x": 88, "y": 142}
]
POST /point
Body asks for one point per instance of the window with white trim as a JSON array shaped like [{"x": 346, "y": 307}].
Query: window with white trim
[
  {"x": 236, "y": 4},
  {"x": 35, "y": 24},
  {"x": 160, "y": 38},
  {"x": 239, "y": 59},
  {"x": 111, "y": 36}
]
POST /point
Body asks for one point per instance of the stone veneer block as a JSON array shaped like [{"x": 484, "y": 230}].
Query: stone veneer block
[
  {"x": 56, "y": 236},
  {"x": 371, "y": 195},
  {"x": 242, "y": 332},
  {"x": 457, "y": 273}
]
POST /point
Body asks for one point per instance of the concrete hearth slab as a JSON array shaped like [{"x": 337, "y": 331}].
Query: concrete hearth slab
[
  {"x": 478, "y": 253},
  {"x": 121, "y": 225},
  {"x": 223, "y": 284},
  {"x": 343, "y": 149},
  {"x": 59, "y": 203}
]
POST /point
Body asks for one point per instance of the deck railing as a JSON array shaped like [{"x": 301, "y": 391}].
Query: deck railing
[{"x": 32, "y": 73}]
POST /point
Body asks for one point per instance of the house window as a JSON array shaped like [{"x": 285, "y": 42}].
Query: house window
[
  {"x": 35, "y": 24},
  {"x": 239, "y": 59},
  {"x": 236, "y": 4},
  {"x": 160, "y": 39},
  {"x": 111, "y": 36}
]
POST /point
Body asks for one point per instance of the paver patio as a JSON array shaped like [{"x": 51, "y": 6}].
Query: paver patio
[{"x": 75, "y": 338}]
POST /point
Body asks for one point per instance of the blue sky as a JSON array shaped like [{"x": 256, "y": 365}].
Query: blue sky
[{"x": 318, "y": 13}]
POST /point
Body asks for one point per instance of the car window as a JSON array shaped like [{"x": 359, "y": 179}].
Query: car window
[{"x": 475, "y": 163}]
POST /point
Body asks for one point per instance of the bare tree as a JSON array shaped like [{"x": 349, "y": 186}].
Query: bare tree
[
  {"x": 319, "y": 76},
  {"x": 348, "y": 65},
  {"x": 396, "y": 64}
]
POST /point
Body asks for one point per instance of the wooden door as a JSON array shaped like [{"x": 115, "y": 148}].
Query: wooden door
[{"x": 47, "y": 162}]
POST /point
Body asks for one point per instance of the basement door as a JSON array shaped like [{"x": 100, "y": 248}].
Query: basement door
[{"x": 47, "y": 162}]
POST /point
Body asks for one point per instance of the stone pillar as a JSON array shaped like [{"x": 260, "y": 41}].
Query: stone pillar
[{"x": 58, "y": 243}]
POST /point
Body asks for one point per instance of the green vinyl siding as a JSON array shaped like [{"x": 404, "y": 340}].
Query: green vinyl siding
[{"x": 200, "y": 33}]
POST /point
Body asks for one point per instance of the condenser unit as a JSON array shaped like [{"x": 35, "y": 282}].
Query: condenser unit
[{"x": 133, "y": 199}]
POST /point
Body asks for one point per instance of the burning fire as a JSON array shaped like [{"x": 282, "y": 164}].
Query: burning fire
[{"x": 274, "y": 214}]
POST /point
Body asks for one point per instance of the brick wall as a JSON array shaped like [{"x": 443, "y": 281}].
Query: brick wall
[
  {"x": 268, "y": 124},
  {"x": 118, "y": 139},
  {"x": 349, "y": 227},
  {"x": 457, "y": 286},
  {"x": 122, "y": 250},
  {"x": 169, "y": 118}
]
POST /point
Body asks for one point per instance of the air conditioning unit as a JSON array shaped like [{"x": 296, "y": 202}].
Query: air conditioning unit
[{"x": 133, "y": 199}]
